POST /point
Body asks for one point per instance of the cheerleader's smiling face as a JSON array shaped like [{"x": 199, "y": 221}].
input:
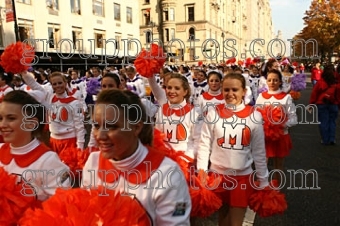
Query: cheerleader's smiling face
[
  {"x": 273, "y": 81},
  {"x": 58, "y": 84},
  {"x": 175, "y": 91},
  {"x": 11, "y": 120},
  {"x": 233, "y": 91},
  {"x": 115, "y": 140}
]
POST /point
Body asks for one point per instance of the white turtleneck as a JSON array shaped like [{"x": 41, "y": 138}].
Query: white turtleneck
[{"x": 160, "y": 195}]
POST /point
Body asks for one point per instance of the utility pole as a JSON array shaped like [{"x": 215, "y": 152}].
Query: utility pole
[{"x": 16, "y": 29}]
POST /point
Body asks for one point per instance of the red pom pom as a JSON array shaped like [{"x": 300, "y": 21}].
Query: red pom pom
[
  {"x": 74, "y": 158},
  {"x": 17, "y": 57},
  {"x": 231, "y": 61},
  {"x": 149, "y": 63},
  {"x": 204, "y": 200},
  {"x": 200, "y": 63},
  {"x": 12, "y": 202},
  {"x": 240, "y": 62},
  {"x": 248, "y": 62},
  {"x": 295, "y": 94},
  {"x": 267, "y": 202},
  {"x": 82, "y": 207},
  {"x": 274, "y": 118}
]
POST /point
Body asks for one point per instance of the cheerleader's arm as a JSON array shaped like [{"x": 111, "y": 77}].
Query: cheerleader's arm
[
  {"x": 258, "y": 151},
  {"x": 157, "y": 91},
  {"x": 30, "y": 81},
  {"x": 205, "y": 142},
  {"x": 78, "y": 119}
]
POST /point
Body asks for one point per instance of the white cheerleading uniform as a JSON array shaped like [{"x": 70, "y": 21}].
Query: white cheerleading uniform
[
  {"x": 180, "y": 125},
  {"x": 66, "y": 119},
  {"x": 232, "y": 140},
  {"x": 137, "y": 85},
  {"x": 36, "y": 94},
  {"x": 37, "y": 167},
  {"x": 164, "y": 195},
  {"x": 197, "y": 90},
  {"x": 279, "y": 97},
  {"x": 207, "y": 100},
  {"x": 22, "y": 87}
]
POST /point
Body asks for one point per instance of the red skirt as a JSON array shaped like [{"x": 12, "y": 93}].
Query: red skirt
[
  {"x": 236, "y": 190},
  {"x": 279, "y": 148},
  {"x": 60, "y": 145}
]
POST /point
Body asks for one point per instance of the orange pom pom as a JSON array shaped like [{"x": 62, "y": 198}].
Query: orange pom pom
[
  {"x": 267, "y": 202},
  {"x": 274, "y": 118},
  {"x": 82, "y": 207},
  {"x": 149, "y": 63},
  {"x": 17, "y": 57},
  {"x": 75, "y": 159},
  {"x": 295, "y": 94},
  {"x": 203, "y": 198},
  {"x": 12, "y": 202}
]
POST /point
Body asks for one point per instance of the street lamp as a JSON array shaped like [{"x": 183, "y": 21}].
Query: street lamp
[{"x": 222, "y": 35}]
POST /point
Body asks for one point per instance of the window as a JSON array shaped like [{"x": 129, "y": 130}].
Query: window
[
  {"x": 147, "y": 2},
  {"x": 116, "y": 11},
  {"x": 166, "y": 15},
  {"x": 129, "y": 15},
  {"x": 98, "y": 7},
  {"x": 172, "y": 35},
  {"x": 192, "y": 33},
  {"x": 77, "y": 35},
  {"x": 118, "y": 41},
  {"x": 130, "y": 44},
  {"x": 146, "y": 13},
  {"x": 171, "y": 14},
  {"x": 28, "y": 2},
  {"x": 148, "y": 36},
  {"x": 167, "y": 34},
  {"x": 191, "y": 13},
  {"x": 53, "y": 4},
  {"x": 26, "y": 30},
  {"x": 75, "y": 6},
  {"x": 99, "y": 38},
  {"x": 53, "y": 35}
]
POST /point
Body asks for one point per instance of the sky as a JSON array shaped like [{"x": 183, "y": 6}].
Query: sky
[{"x": 287, "y": 16}]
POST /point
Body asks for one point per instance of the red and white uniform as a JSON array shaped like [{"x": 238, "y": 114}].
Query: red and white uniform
[
  {"x": 231, "y": 140},
  {"x": 78, "y": 90},
  {"x": 4, "y": 90},
  {"x": 180, "y": 125},
  {"x": 27, "y": 161},
  {"x": 165, "y": 198},
  {"x": 39, "y": 95},
  {"x": 66, "y": 119},
  {"x": 209, "y": 98},
  {"x": 282, "y": 147}
]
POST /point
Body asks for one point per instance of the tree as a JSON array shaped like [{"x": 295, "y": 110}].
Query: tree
[{"x": 322, "y": 23}]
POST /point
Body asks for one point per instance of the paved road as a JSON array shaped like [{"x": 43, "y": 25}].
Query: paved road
[{"x": 319, "y": 207}]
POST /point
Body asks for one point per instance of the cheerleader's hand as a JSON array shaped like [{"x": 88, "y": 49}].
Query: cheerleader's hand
[{"x": 80, "y": 145}]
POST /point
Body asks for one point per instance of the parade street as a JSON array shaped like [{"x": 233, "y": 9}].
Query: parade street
[{"x": 318, "y": 203}]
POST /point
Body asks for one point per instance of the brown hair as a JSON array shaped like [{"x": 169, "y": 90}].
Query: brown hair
[{"x": 235, "y": 75}]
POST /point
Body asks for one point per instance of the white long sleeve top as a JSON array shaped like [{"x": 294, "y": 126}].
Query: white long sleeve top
[
  {"x": 35, "y": 166},
  {"x": 163, "y": 194},
  {"x": 180, "y": 125},
  {"x": 280, "y": 98},
  {"x": 232, "y": 139}
]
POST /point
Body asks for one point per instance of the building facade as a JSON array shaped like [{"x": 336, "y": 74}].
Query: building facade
[
  {"x": 193, "y": 31},
  {"x": 75, "y": 29}
]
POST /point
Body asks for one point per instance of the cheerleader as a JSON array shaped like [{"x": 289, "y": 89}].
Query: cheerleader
[
  {"x": 5, "y": 80},
  {"x": 135, "y": 81},
  {"x": 231, "y": 142},
  {"x": 275, "y": 96},
  {"x": 122, "y": 152},
  {"x": 78, "y": 88},
  {"x": 65, "y": 113},
  {"x": 177, "y": 118},
  {"x": 200, "y": 85},
  {"x": 35, "y": 165},
  {"x": 213, "y": 95},
  {"x": 18, "y": 84},
  {"x": 287, "y": 75},
  {"x": 257, "y": 83}
]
